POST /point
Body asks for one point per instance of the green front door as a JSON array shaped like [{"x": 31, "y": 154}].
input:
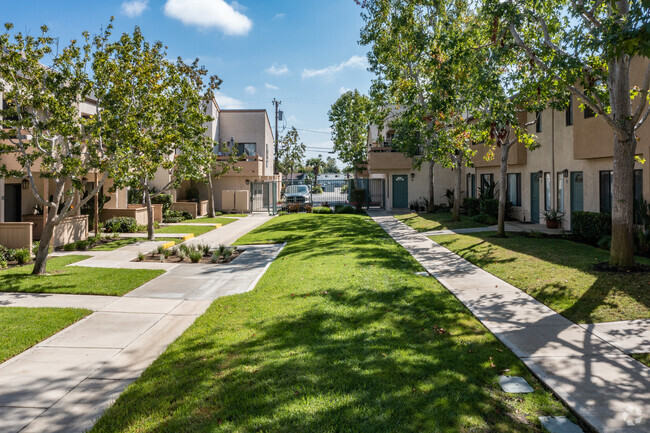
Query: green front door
[
  {"x": 400, "y": 191},
  {"x": 577, "y": 201},
  {"x": 534, "y": 198}
]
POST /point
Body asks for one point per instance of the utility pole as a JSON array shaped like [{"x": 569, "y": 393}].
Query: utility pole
[{"x": 275, "y": 159}]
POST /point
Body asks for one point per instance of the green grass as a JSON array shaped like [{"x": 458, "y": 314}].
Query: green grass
[
  {"x": 194, "y": 229},
  {"x": 74, "y": 279},
  {"x": 643, "y": 358},
  {"x": 21, "y": 328},
  {"x": 215, "y": 220},
  {"x": 425, "y": 222},
  {"x": 558, "y": 273},
  {"x": 338, "y": 336}
]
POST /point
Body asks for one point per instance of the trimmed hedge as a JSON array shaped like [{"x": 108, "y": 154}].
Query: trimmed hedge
[
  {"x": 163, "y": 199},
  {"x": 339, "y": 208},
  {"x": 591, "y": 227},
  {"x": 121, "y": 225},
  {"x": 321, "y": 209},
  {"x": 472, "y": 206},
  {"x": 176, "y": 216}
]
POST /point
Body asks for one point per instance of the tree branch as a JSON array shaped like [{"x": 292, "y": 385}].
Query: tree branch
[{"x": 644, "y": 97}]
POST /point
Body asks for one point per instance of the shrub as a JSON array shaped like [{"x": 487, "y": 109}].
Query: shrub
[
  {"x": 344, "y": 209},
  {"x": 322, "y": 209},
  {"x": 166, "y": 253},
  {"x": 3, "y": 263},
  {"x": 358, "y": 196},
  {"x": 293, "y": 207},
  {"x": 121, "y": 225},
  {"x": 483, "y": 218},
  {"x": 317, "y": 189},
  {"x": 218, "y": 214},
  {"x": 205, "y": 248},
  {"x": 70, "y": 247},
  {"x": 22, "y": 255},
  {"x": 590, "y": 227},
  {"x": 160, "y": 249},
  {"x": 308, "y": 208},
  {"x": 176, "y": 216},
  {"x": 83, "y": 245},
  {"x": 605, "y": 242},
  {"x": 490, "y": 206},
  {"x": 227, "y": 253},
  {"x": 472, "y": 206},
  {"x": 283, "y": 212},
  {"x": 215, "y": 257},
  {"x": 195, "y": 256},
  {"x": 163, "y": 199},
  {"x": 140, "y": 257}
]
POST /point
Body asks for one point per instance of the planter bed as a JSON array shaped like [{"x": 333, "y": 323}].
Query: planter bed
[{"x": 205, "y": 259}]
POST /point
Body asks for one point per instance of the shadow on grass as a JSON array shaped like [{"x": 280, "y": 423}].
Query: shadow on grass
[{"x": 623, "y": 295}]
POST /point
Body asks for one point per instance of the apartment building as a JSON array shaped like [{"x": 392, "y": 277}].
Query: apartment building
[
  {"x": 570, "y": 171},
  {"x": 249, "y": 132}
]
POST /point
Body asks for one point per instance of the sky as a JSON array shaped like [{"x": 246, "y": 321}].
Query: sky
[{"x": 305, "y": 53}]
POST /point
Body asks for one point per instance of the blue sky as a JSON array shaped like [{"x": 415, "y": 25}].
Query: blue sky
[{"x": 302, "y": 52}]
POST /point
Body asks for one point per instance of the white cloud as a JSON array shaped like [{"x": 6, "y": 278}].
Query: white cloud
[
  {"x": 134, "y": 8},
  {"x": 342, "y": 90},
  {"x": 271, "y": 86},
  {"x": 354, "y": 62},
  {"x": 292, "y": 119},
  {"x": 209, "y": 13},
  {"x": 238, "y": 6},
  {"x": 279, "y": 16},
  {"x": 226, "y": 102},
  {"x": 277, "y": 70},
  {"x": 250, "y": 90}
]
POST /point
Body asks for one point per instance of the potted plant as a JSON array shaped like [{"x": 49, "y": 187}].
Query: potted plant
[{"x": 553, "y": 218}]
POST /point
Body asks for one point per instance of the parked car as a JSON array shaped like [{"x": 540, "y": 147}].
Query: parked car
[{"x": 297, "y": 194}]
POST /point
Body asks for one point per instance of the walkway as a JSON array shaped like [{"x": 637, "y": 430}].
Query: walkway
[
  {"x": 605, "y": 387},
  {"x": 511, "y": 226},
  {"x": 65, "y": 383}
]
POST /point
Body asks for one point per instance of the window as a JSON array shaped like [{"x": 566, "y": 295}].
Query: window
[
  {"x": 471, "y": 185},
  {"x": 267, "y": 155},
  {"x": 605, "y": 188},
  {"x": 589, "y": 112},
  {"x": 487, "y": 184},
  {"x": 569, "y": 112},
  {"x": 547, "y": 191},
  {"x": 560, "y": 192},
  {"x": 514, "y": 188},
  {"x": 538, "y": 123},
  {"x": 389, "y": 138},
  {"x": 246, "y": 149}
]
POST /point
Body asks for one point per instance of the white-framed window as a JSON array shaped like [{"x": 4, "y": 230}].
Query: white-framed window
[
  {"x": 514, "y": 189},
  {"x": 560, "y": 192}
]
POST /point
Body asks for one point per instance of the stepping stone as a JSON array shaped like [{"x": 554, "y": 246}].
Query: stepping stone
[
  {"x": 559, "y": 424},
  {"x": 515, "y": 385},
  {"x": 423, "y": 274}
]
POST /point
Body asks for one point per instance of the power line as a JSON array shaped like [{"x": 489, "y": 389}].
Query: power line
[{"x": 314, "y": 131}]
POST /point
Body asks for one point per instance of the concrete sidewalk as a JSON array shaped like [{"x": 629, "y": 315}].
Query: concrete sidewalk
[
  {"x": 609, "y": 390},
  {"x": 65, "y": 383}
]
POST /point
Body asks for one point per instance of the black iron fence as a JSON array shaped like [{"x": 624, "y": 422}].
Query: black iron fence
[
  {"x": 332, "y": 192},
  {"x": 264, "y": 197}
]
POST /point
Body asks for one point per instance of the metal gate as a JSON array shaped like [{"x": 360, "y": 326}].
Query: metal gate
[
  {"x": 332, "y": 192},
  {"x": 264, "y": 197},
  {"x": 373, "y": 192}
]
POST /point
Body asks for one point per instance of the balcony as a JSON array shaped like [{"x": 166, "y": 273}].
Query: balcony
[
  {"x": 251, "y": 166},
  {"x": 383, "y": 158}
]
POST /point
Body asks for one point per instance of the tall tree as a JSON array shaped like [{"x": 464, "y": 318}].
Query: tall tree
[
  {"x": 42, "y": 126},
  {"x": 330, "y": 166},
  {"x": 422, "y": 60},
  {"x": 292, "y": 151},
  {"x": 586, "y": 47},
  {"x": 316, "y": 165},
  {"x": 350, "y": 117}
]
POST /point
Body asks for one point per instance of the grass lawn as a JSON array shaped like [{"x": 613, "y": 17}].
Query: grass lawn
[
  {"x": 74, "y": 279},
  {"x": 425, "y": 222},
  {"x": 643, "y": 358},
  {"x": 558, "y": 273},
  {"x": 195, "y": 229},
  {"x": 21, "y": 328},
  {"x": 215, "y": 220},
  {"x": 339, "y": 335}
]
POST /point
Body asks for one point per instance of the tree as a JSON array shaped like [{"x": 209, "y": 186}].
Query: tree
[
  {"x": 42, "y": 126},
  {"x": 330, "y": 166},
  {"x": 316, "y": 165},
  {"x": 291, "y": 152},
  {"x": 586, "y": 47},
  {"x": 350, "y": 117}
]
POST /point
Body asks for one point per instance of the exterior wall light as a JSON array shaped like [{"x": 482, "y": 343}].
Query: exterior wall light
[
  {"x": 565, "y": 172},
  {"x": 25, "y": 184},
  {"x": 412, "y": 176},
  {"x": 248, "y": 182}
]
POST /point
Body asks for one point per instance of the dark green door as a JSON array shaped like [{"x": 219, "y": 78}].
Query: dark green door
[
  {"x": 400, "y": 191},
  {"x": 534, "y": 198},
  {"x": 12, "y": 202},
  {"x": 577, "y": 201}
]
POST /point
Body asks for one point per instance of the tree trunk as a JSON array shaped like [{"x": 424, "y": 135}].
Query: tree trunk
[
  {"x": 622, "y": 249},
  {"x": 503, "y": 181},
  {"x": 431, "y": 197},
  {"x": 147, "y": 203},
  {"x": 40, "y": 262},
  {"x": 211, "y": 213},
  {"x": 459, "y": 181}
]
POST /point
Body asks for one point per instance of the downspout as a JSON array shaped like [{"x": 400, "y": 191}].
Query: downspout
[{"x": 553, "y": 175}]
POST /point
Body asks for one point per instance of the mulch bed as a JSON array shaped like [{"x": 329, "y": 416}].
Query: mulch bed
[{"x": 206, "y": 260}]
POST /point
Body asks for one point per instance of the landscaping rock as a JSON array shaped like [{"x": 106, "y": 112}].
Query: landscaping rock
[{"x": 514, "y": 385}]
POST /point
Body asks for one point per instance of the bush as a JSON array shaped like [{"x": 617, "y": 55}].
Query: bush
[
  {"x": 317, "y": 189},
  {"x": 605, "y": 242},
  {"x": 344, "y": 209},
  {"x": 176, "y": 216},
  {"x": 490, "y": 206},
  {"x": 483, "y": 218},
  {"x": 195, "y": 256},
  {"x": 591, "y": 227},
  {"x": 321, "y": 209},
  {"x": 163, "y": 199},
  {"x": 358, "y": 196},
  {"x": 472, "y": 206},
  {"x": 121, "y": 225},
  {"x": 283, "y": 212},
  {"x": 82, "y": 245},
  {"x": 22, "y": 255},
  {"x": 70, "y": 247}
]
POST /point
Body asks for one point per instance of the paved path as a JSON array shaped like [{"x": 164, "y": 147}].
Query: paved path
[
  {"x": 65, "y": 383},
  {"x": 599, "y": 382},
  {"x": 511, "y": 226}
]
